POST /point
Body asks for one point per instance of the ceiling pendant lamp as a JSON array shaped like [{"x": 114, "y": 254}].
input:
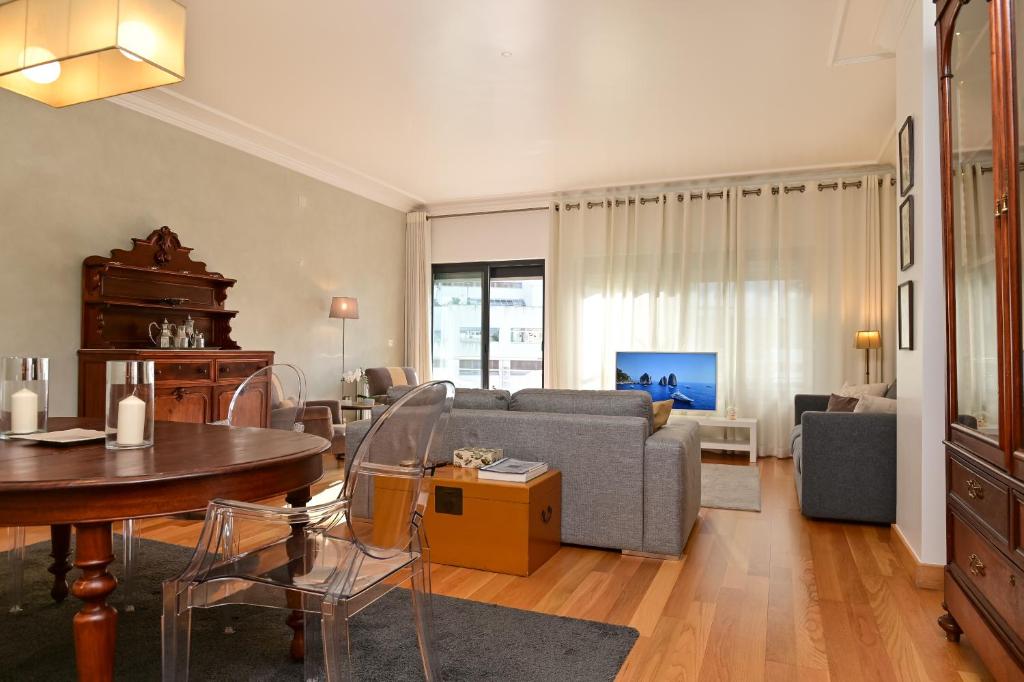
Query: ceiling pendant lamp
[{"x": 64, "y": 52}]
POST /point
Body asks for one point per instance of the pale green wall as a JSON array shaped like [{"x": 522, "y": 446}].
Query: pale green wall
[{"x": 80, "y": 181}]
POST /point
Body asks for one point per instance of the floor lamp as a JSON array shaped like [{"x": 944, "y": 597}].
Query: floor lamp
[
  {"x": 344, "y": 308},
  {"x": 867, "y": 340}
]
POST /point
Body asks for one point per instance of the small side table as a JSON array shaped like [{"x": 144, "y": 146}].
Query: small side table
[
  {"x": 749, "y": 445},
  {"x": 362, "y": 408},
  {"x": 492, "y": 525}
]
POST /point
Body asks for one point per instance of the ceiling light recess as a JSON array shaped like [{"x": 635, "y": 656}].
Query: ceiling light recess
[{"x": 64, "y": 52}]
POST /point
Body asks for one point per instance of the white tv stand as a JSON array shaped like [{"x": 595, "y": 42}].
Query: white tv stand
[{"x": 748, "y": 445}]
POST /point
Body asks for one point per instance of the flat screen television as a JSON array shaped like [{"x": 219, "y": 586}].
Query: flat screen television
[{"x": 689, "y": 379}]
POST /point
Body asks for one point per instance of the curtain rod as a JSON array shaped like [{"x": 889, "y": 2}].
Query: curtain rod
[
  {"x": 719, "y": 194},
  {"x": 504, "y": 210},
  {"x": 822, "y": 186}
]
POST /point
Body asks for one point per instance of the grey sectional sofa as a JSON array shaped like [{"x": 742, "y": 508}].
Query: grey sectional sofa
[
  {"x": 844, "y": 463},
  {"x": 622, "y": 486}
]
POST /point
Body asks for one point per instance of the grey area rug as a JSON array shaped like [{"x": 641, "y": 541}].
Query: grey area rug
[
  {"x": 729, "y": 486},
  {"x": 475, "y": 641}
]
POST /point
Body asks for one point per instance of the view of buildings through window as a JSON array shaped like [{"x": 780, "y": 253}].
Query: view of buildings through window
[{"x": 512, "y": 312}]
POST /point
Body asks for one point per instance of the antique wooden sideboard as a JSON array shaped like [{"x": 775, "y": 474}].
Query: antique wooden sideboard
[{"x": 157, "y": 280}]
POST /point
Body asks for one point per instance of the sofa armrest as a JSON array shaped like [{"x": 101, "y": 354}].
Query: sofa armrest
[
  {"x": 805, "y": 402},
  {"x": 671, "y": 486},
  {"x": 848, "y": 466},
  {"x": 333, "y": 405}
]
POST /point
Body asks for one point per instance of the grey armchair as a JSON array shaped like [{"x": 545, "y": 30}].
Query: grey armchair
[{"x": 844, "y": 462}]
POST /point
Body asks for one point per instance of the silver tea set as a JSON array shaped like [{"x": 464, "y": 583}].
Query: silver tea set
[{"x": 172, "y": 335}]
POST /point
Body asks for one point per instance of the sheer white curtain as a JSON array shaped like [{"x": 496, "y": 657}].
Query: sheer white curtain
[
  {"x": 418, "y": 291},
  {"x": 775, "y": 283},
  {"x": 975, "y": 276}
]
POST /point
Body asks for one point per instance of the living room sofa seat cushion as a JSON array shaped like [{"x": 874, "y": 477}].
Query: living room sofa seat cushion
[{"x": 567, "y": 401}]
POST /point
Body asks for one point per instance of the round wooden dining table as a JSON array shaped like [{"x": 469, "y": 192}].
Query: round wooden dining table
[{"x": 89, "y": 488}]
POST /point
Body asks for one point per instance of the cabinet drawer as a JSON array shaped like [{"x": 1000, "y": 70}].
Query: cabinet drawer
[
  {"x": 184, "y": 370},
  {"x": 985, "y": 499},
  {"x": 229, "y": 370},
  {"x": 990, "y": 572}
]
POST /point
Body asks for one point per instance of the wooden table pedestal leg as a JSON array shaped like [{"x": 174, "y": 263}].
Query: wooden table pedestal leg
[
  {"x": 96, "y": 623},
  {"x": 60, "y": 550},
  {"x": 297, "y": 498}
]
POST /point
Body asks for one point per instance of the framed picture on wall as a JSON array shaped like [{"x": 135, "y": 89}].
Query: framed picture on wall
[
  {"x": 907, "y": 233},
  {"x": 905, "y": 316},
  {"x": 906, "y": 156}
]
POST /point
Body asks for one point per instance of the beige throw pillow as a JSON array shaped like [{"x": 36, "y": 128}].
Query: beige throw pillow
[
  {"x": 876, "y": 405},
  {"x": 662, "y": 411},
  {"x": 861, "y": 390}
]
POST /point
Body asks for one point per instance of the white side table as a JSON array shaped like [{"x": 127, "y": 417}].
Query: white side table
[{"x": 749, "y": 445}]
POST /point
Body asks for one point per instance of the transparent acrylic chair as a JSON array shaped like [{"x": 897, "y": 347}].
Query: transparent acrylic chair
[
  {"x": 286, "y": 386},
  {"x": 328, "y": 561}
]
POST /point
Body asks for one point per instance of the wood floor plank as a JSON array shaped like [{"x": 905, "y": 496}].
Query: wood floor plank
[{"x": 758, "y": 596}]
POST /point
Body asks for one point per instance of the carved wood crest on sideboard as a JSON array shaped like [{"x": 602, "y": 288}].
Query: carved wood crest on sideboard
[{"x": 155, "y": 280}]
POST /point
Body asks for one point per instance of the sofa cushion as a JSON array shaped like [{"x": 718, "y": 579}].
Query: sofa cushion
[
  {"x": 857, "y": 390},
  {"x": 796, "y": 445},
  {"x": 870, "y": 403},
  {"x": 840, "y": 403},
  {"x": 662, "y": 411},
  {"x": 481, "y": 399},
  {"x": 600, "y": 403},
  {"x": 891, "y": 392}
]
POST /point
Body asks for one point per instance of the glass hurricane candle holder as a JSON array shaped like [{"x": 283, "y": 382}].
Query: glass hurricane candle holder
[
  {"x": 130, "y": 404},
  {"x": 24, "y": 396}
]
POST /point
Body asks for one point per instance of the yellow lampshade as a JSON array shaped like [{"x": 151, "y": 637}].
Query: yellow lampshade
[
  {"x": 867, "y": 340},
  {"x": 64, "y": 52}
]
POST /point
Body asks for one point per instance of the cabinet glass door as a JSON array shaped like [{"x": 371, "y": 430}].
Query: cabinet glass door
[{"x": 974, "y": 222}]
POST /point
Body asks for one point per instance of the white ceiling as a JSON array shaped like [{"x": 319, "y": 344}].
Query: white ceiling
[{"x": 412, "y": 102}]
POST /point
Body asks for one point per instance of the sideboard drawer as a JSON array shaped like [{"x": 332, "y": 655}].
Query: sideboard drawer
[
  {"x": 228, "y": 370},
  {"x": 984, "y": 498},
  {"x": 184, "y": 370},
  {"x": 994, "y": 576}
]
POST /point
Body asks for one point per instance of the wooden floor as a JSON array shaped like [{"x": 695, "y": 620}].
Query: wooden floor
[{"x": 769, "y": 596}]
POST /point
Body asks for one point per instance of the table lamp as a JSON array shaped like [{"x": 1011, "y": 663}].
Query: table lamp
[
  {"x": 867, "y": 340},
  {"x": 344, "y": 308}
]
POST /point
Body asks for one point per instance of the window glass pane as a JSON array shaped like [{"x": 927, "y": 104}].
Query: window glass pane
[
  {"x": 457, "y": 349},
  {"x": 517, "y": 332}
]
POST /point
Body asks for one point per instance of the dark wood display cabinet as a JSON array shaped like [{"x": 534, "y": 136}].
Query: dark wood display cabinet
[
  {"x": 979, "y": 59},
  {"x": 157, "y": 280}
]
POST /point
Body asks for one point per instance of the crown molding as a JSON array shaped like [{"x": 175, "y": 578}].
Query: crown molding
[{"x": 170, "y": 107}]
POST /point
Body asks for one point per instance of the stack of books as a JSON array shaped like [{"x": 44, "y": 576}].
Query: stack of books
[{"x": 512, "y": 470}]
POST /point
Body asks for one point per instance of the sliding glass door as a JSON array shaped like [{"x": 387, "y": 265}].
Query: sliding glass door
[{"x": 489, "y": 324}]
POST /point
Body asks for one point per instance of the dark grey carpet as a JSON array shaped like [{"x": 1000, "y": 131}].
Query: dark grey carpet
[{"x": 476, "y": 641}]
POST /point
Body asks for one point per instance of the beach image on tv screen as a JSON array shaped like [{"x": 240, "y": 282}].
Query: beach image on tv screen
[{"x": 689, "y": 379}]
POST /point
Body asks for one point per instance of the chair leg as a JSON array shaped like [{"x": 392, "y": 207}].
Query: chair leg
[
  {"x": 423, "y": 614},
  {"x": 337, "y": 647},
  {"x": 129, "y": 538},
  {"x": 176, "y": 629},
  {"x": 313, "y": 661},
  {"x": 16, "y": 561}
]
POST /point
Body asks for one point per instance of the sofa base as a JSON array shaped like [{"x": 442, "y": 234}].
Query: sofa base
[{"x": 651, "y": 555}]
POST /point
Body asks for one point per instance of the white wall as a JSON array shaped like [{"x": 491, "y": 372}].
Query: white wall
[
  {"x": 84, "y": 180},
  {"x": 497, "y": 236},
  {"x": 921, "y": 373}
]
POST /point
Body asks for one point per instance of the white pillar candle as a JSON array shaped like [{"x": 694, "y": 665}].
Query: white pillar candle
[
  {"x": 131, "y": 421},
  {"x": 24, "y": 411}
]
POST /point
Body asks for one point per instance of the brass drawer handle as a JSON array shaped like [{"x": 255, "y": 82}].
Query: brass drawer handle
[
  {"x": 974, "y": 490},
  {"x": 975, "y": 564}
]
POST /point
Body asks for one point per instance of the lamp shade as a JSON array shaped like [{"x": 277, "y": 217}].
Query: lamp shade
[
  {"x": 867, "y": 340},
  {"x": 63, "y": 52},
  {"x": 345, "y": 308}
]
